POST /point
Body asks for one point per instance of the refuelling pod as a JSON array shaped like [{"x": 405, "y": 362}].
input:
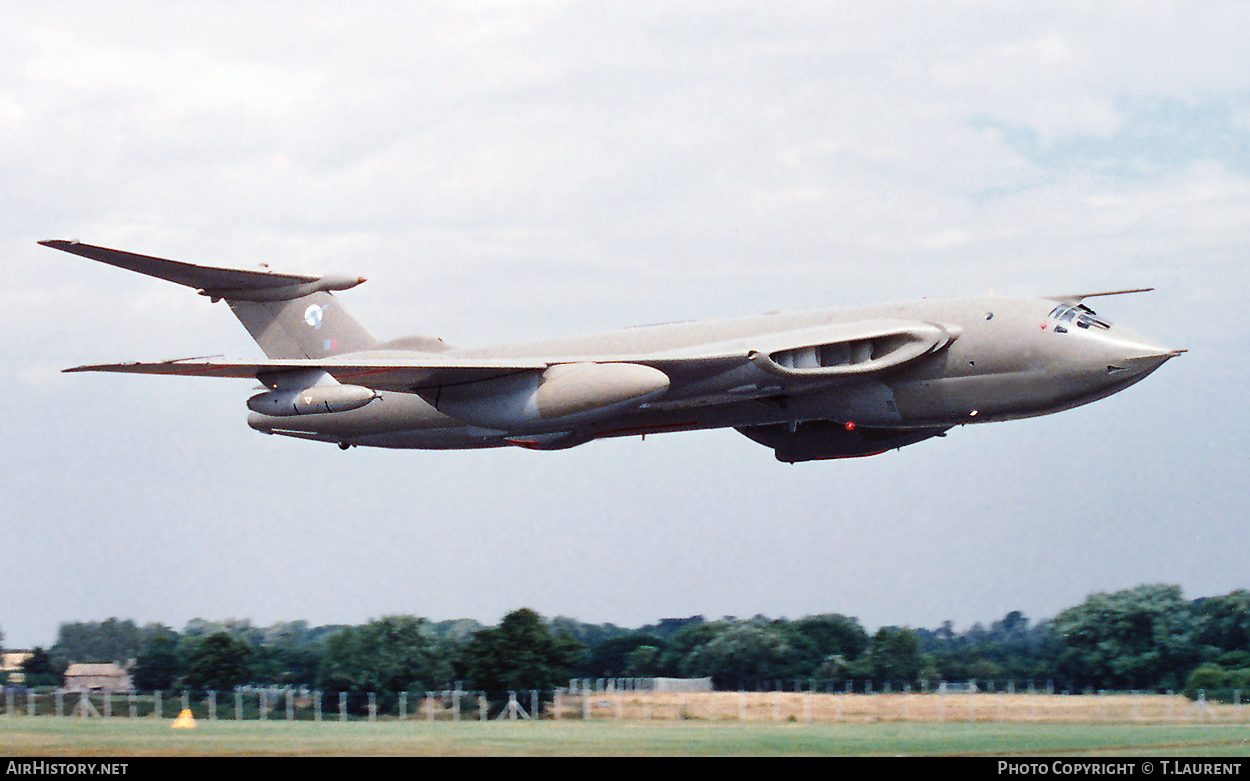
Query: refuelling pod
[
  {"x": 818, "y": 440},
  {"x": 564, "y": 394},
  {"x": 316, "y": 400}
]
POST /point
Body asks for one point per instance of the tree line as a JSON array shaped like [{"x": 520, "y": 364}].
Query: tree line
[{"x": 1146, "y": 638}]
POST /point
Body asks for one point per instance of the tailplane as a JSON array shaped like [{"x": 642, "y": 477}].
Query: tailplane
[{"x": 289, "y": 315}]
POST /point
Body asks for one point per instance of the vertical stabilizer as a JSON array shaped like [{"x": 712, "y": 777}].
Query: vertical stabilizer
[{"x": 311, "y": 326}]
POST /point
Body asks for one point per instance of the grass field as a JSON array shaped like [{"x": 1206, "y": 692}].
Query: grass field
[{"x": 52, "y": 737}]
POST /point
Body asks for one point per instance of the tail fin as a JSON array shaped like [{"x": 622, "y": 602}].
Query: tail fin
[
  {"x": 289, "y": 315},
  {"x": 311, "y": 326}
]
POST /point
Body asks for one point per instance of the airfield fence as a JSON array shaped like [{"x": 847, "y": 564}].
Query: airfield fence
[{"x": 596, "y": 701}]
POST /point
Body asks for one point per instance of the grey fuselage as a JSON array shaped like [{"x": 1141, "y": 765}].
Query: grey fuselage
[{"x": 1002, "y": 358}]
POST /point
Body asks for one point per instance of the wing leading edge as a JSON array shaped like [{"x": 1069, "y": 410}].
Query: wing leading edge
[{"x": 405, "y": 376}]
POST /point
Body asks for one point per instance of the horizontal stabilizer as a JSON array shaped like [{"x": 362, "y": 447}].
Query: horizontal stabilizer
[{"x": 228, "y": 283}]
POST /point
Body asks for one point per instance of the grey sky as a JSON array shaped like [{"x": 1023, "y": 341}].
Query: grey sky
[{"x": 504, "y": 170}]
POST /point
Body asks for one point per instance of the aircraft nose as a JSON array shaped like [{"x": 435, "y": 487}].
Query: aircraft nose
[{"x": 1132, "y": 356}]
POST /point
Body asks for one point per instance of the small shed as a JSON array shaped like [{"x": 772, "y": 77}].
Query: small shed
[
  {"x": 111, "y": 678},
  {"x": 681, "y": 684},
  {"x": 11, "y": 663}
]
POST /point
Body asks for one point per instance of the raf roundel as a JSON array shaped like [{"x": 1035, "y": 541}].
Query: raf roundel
[{"x": 312, "y": 316}]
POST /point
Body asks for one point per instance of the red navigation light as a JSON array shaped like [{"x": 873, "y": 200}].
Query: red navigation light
[{"x": 850, "y": 425}]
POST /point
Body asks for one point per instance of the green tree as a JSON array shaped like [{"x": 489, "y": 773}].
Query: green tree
[
  {"x": 825, "y": 645},
  {"x": 1216, "y": 682},
  {"x": 643, "y": 662},
  {"x": 893, "y": 656},
  {"x": 744, "y": 653},
  {"x": 111, "y": 640},
  {"x": 520, "y": 654},
  {"x": 687, "y": 636},
  {"x": 160, "y": 664},
  {"x": 217, "y": 662},
  {"x": 1008, "y": 650},
  {"x": 386, "y": 656},
  {"x": 610, "y": 658},
  {"x": 1138, "y": 638},
  {"x": 40, "y": 669},
  {"x": 1223, "y": 623}
]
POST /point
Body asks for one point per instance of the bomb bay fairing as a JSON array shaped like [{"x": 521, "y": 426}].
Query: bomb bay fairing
[{"x": 813, "y": 385}]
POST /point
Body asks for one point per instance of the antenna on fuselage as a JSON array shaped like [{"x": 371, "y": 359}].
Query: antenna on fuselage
[{"x": 1076, "y": 298}]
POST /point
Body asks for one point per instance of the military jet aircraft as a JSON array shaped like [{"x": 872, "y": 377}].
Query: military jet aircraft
[{"x": 825, "y": 384}]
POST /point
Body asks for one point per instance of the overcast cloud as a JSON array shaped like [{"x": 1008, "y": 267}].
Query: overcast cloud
[{"x": 506, "y": 170}]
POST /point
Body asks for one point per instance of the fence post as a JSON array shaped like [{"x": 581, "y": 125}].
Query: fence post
[
  {"x": 212, "y": 706},
  {"x": 373, "y": 707},
  {"x": 317, "y": 706},
  {"x": 342, "y": 707},
  {"x": 290, "y": 704},
  {"x": 238, "y": 704}
]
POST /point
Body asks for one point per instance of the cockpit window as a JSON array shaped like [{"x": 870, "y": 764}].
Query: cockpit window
[{"x": 1083, "y": 315}]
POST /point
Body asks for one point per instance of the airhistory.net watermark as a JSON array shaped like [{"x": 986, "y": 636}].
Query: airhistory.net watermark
[{"x": 39, "y": 767}]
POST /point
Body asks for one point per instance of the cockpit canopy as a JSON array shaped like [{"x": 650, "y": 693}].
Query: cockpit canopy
[{"x": 1081, "y": 315}]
